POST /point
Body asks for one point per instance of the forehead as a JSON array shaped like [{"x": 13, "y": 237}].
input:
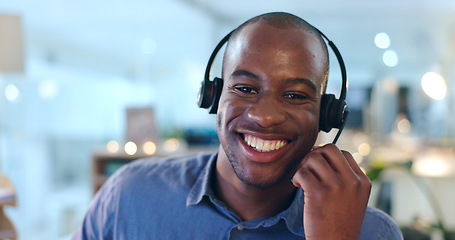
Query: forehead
[{"x": 262, "y": 45}]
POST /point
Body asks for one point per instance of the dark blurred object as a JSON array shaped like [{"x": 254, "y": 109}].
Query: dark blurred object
[
  {"x": 357, "y": 99},
  {"x": 422, "y": 229},
  {"x": 414, "y": 234},
  {"x": 384, "y": 201},
  {"x": 201, "y": 137}
]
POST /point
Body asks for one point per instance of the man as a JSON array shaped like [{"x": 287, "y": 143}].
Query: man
[{"x": 267, "y": 180}]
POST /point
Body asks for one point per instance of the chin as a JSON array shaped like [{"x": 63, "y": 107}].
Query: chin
[
  {"x": 262, "y": 177},
  {"x": 261, "y": 184}
]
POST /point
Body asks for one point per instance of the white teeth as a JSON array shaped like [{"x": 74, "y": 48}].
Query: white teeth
[
  {"x": 261, "y": 145},
  {"x": 253, "y": 142},
  {"x": 273, "y": 146}
]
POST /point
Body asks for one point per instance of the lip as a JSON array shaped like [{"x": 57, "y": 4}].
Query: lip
[{"x": 263, "y": 157}]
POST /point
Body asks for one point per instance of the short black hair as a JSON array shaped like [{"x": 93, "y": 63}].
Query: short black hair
[{"x": 287, "y": 20}]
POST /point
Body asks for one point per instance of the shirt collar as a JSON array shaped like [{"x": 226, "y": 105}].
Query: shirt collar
[
  {"x": 293, "y": 216},
  {"x": 201, "y": 187}
]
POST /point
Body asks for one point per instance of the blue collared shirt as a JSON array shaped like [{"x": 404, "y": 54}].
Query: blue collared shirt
[{"x": 172, "y": 199}]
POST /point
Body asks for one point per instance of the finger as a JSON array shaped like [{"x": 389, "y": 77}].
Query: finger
[
  {"x": 304, "y": 179},
  {"x": 318, "y": 165},
  {"x": 337, "y": 160},
  {"x": 315, "y": 147},
  {"x": 366, "y": 182},
  {"x": 352, "y": 163}
]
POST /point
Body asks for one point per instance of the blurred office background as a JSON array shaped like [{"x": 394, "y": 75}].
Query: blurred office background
[{"x": 69, "y": 70}]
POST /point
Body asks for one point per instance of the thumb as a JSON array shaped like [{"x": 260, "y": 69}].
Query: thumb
[
  {"x": 304, "y": 179},
  {"x": 299, "y": 177}
]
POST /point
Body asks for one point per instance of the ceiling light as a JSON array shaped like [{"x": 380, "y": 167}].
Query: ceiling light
[
  {"x": 11, "y": 92},
  {"x": 390, "y": 58},
  {"x": 434, "y": 85},
  {"x": 382, "y": 40}
]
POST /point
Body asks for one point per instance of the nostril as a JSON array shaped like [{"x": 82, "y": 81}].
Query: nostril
[{"x": 266, "y": 117}]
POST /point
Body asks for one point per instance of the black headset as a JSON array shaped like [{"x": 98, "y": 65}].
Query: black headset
[{"x": 333, "y": 111}]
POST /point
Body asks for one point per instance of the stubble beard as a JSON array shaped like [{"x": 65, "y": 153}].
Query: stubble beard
[{"x": 253, "y": 181}]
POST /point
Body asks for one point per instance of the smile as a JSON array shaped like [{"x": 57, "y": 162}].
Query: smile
[{"x": 262, "y": 145}]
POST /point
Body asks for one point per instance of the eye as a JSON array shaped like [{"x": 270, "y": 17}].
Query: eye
[
  {"x": 295, "y": 96},
  {"x": 246, "y": 89},
  {"x": 298, "y": 98}
]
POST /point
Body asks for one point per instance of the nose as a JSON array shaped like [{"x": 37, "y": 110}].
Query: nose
[{"x": 266, "y": 112}]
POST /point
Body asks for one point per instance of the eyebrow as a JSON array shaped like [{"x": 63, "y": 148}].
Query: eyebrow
[
  {"x": 243, "y": 73},
  {"x": 307, "y": 82}
]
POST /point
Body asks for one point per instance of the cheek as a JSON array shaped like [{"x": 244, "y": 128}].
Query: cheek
[
  {"x": 221, "y": 112},
  {"x": 308, "y": 122},
  {"x": 229, "y": 109}
]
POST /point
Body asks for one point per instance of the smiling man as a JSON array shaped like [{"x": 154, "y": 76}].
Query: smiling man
[{"x": 275, "y": 71}]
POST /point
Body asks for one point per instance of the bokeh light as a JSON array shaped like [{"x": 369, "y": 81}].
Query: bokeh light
[
  {"x": 130, "y": 148},
  {"x": 149, "y": 148},
  {"x": 382, "y": 40},
  {"x": 434, "y": 85}
]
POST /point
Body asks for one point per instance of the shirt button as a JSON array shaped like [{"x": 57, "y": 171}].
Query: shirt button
[{"x": 240, "y": 228}]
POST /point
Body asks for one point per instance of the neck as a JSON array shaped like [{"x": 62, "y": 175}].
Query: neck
[{"x": 250, "y": 202}]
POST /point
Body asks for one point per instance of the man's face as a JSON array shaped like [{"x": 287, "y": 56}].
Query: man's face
[{"x": 268, "y": 113}]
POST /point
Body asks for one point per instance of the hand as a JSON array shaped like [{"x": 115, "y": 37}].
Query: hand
[{"x": 336, "y": 194}]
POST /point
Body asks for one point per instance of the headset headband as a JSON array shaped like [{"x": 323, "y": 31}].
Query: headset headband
[{"x": 330, "y": 43}]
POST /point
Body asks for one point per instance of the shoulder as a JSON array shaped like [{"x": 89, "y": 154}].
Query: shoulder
[
  {"x": 379, "y": 225},
  {"x": 180, "y": 170},
  {"x": 132, "y": 193}
]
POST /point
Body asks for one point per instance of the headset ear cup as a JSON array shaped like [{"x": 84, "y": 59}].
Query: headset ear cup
[
  {"x": 333, "y": 113},
  {"x": 339, "y": 113},
  {"x": 326, "y": 104},
  {"x": 217, "y": 89},
  {"x": 205, "y": 94}
]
